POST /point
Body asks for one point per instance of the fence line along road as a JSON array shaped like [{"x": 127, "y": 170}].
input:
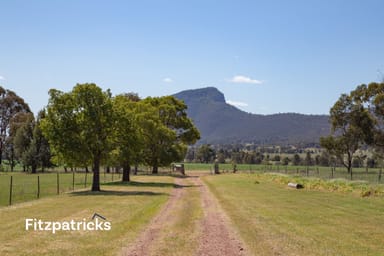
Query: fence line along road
[{"x": 22, "y": 187}]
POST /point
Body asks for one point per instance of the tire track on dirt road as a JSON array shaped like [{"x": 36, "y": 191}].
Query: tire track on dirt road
[
  {"x": 146, "y": 241},
  {"x": 218, "y": 237}
]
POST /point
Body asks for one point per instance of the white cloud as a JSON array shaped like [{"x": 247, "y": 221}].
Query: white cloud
[
  {"x": 2, "y": 78},
  {"x": 167, "y": 80},
  {"x": 237, "y": 103},
  {"x": 244, "y": 80}
]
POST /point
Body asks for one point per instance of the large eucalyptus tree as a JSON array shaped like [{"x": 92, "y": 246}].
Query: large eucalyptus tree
[
  {"x": 10, "y": 105},
  {"x": 352, "y": 127}
]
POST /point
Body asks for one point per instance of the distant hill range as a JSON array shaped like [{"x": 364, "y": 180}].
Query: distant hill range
[{"x": 221, "y": 123}]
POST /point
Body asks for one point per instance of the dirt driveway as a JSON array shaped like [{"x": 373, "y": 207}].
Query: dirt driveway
[{"x": 214, "y": 232}]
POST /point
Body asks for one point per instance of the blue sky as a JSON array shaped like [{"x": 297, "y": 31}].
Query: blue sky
[{"x": 265, "y": 56}]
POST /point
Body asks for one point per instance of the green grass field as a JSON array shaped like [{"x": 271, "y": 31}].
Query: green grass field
[
  {"x": 372, "y": 176},
  {"x": 271, "y": 218},
  {"x": 276, "y": 220},
  {"x": 128, "y": 208},
  {"x": 25, "y": 186}
]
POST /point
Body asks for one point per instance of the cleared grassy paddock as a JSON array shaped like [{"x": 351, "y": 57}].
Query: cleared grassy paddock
[
  {"x": 127, "y": 207},
  {"x": 276, "y": 220},
  {"x": 371, "y": 175},
  {"x": 25, "y": 185}
]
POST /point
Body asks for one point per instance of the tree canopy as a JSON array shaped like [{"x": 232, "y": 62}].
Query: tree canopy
[
  {"x": 10, "y": 106},
  {"x": 357, "y": 120},
  {"x": 127, "y": 137},
  {"x": 166, "y": 130},
  {"x": 79, "y": 126},
  {"x": 87, "y": 126}
]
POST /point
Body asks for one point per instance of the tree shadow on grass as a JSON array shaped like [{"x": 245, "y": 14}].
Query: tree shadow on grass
[
  {"x": 169, "y": 174},
  {"x": 147, "y": 184},
  {"x": 116, "y": 193}
]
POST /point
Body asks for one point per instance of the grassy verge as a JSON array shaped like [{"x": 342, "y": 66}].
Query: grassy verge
[
  {"x": 128, "y": 208},
  {"x": 276, "y": 220},
  {"x": 361, "y": 188}
]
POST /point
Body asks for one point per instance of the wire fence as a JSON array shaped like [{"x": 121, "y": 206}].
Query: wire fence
[
  {"x": 21, "y": 187},
  {"x": 371, "y": 175}
]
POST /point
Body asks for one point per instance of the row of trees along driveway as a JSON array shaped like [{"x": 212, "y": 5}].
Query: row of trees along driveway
[{"x": 87, "y": 126}]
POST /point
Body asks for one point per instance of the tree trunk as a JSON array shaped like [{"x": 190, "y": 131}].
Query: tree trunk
[
  {"x": 135, "y": 171},
  {"x": 96, "y": 174},
  {"x": 349, "y": 162},
  {"x": 126, "y": 172},
  {"x": 108, "y": 170},
  {"x": 155, "y": 169},
  {"x": 349, "y": 167},
  {"x": 33, "y": 168}
]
